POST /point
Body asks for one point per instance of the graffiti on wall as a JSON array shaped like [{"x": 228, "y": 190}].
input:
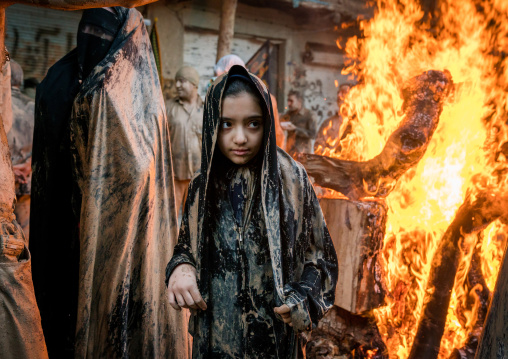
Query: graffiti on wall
[
  {"x": 37, "y": 38},
  {"x": 318, "y": 87}
]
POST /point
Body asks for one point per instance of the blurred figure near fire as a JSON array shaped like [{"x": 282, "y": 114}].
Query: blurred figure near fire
[
  {"x": 330, "y": 128},
  {"x": 20, "y": 144},
  {"x": 223, "y": 65},
  {"x": 185, "y": 118},
  {"x": 102, "y": 135},
  {"x": 300, "y": 123}
]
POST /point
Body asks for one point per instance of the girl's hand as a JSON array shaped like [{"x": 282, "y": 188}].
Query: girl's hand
[
  {"x": 285, "y": 313},
  {"x": 183, "y": 289}
]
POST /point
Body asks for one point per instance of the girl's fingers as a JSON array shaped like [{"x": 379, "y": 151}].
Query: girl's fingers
[
  {"x": 197, "y": 298},
  {"x": 172, "y": 300},
  {"x": 283, "y": 309},
  {"x": 287, "y": 320},
  {"x": 180, "y": 300},
  {"x": 189, "y": 301}
]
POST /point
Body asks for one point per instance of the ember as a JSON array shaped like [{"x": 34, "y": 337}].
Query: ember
[{"x": 465, "y": 161}]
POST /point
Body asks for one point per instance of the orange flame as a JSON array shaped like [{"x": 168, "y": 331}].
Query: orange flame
[{"x": 464, "y": 155}]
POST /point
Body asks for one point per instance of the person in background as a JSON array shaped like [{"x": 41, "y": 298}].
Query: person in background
[
  {"x": 226, "y": 62},
  {"x": 20, "y": 139},
  {"x": 332, "y": 125},
  {"x": 99, "y": 256},
  {"x": 185, "y": 119},
  {"x": 223, "y": 65},
  {"x": 29, "y": 86},
  {"x": 21, "y": 336},
  {"x": 300, "y": 123}
]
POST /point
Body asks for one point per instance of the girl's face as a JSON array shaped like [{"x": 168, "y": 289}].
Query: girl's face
[{"x": 241, "y": 128}]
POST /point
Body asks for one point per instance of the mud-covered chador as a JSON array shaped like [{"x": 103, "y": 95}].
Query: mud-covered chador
[
  {"x": 123, "y": 196},
  {"x": 279, "y": 253}
]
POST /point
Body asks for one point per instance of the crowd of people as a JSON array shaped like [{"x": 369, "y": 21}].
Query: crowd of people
[{"x": 135, "y": 204}]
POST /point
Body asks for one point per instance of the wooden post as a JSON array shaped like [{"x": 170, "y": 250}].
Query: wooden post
[
  {"x": 227, "y": 28},
  {"x": 357, "y": 230}
]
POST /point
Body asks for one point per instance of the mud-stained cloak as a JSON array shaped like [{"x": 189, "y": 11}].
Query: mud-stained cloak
[
  {"x": 123, "y": 200},
  {"x": 302, "y": 257}
]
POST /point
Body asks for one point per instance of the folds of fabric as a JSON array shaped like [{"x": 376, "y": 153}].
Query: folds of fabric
[
  {"x": 54, "y": 239},
  {"x": 303, "y": 259},
  {"x": 21, "y": 336},
  {"x": 122, "y": 160}
]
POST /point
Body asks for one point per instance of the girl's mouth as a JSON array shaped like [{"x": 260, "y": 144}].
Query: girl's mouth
[{"x": 240, "y": 152}]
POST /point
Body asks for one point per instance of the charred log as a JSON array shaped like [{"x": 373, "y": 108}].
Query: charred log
[
  {"x": 423, "y": 103},
  {"x": 475, "y": 282},
  {"x": 470, "y": 218},
  {"x": 346, "y": 335}
]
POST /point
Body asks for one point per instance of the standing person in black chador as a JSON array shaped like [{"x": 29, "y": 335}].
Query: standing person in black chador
[
  {"x": 254, "y": 259},
  {"x": 102, "y": 240}
]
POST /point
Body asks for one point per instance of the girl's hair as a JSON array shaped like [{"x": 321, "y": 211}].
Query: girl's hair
[{"x": 237, "y": 85}]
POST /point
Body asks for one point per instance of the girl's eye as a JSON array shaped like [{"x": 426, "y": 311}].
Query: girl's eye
[
  {"x": 225, "y": 124},
  {"x": 254, "y": 124}
]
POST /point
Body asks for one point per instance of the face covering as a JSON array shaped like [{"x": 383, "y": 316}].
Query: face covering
[{"x": 97, "y": 30}]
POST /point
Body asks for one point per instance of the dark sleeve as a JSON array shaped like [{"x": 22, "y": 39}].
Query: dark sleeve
[
  {"x": 311, "y": 297},
  {"x": 183, "y": 250},
  {"x": 310, "y": 130}
]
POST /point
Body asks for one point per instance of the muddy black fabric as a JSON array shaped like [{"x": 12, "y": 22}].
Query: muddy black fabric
[
  {"x": 122, "y": 196},
  {"x": 91, "y": 48},
  {"x": 120, "y": 148},
  {"x": 54, "y": 239},
  {"x": 242, "y": 323},
  {"x": 286, "y": 239}
]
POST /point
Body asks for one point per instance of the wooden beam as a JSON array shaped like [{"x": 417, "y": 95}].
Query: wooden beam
[
  {"x": 357, "y": 230},
  {"x": 424, "y": 96},
  {"x": 471, "y": 217},
  {"x": 226, "y": 28}
]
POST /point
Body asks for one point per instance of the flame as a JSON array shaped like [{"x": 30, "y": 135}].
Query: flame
[
  {"x": 492, "y": 249},
  {"x": 465, "y": 155}
]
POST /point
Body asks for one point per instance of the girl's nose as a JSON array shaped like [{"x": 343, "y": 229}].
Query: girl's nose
[{"x": 240, "y": 137}]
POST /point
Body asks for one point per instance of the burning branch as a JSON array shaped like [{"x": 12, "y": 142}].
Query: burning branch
[
  {"x": 423, "y": 103},
  {"x": 471, "y": 217}
]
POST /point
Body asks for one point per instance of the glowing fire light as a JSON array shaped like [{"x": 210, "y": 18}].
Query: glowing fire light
[{"x": 464, "y": 154}]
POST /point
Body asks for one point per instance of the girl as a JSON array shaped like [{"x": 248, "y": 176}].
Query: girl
[{"x": 254, "y": 260}]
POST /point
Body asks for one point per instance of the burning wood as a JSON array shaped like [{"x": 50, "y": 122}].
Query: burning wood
[
  {"x": 341, "y": 333},
  {"x": 357, "y": 230},
  {"x": 493, "y": 342},
  {"x": 471, "y": 217},
  {"x": 423, "y": 103},
  {"x": 475, "y": 282}
]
